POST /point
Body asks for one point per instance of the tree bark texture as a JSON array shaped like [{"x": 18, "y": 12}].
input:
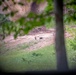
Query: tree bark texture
[{"x": 62, "y": 64}]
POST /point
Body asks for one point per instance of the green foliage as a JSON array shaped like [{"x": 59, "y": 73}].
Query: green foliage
[
  {"x": 1, "y": 1},
  {"x": 38, "y": 1},
  {"x": 71, "y": 13},
  {"x": 71, "y": 54},
  {"x": 72, "y": 30},
  {"x": 3, "y": 19},
  {"x": 7, "y": 27},
  {"x": 5, "y": 8},
  {"x": 50, "y": 24},
  {"x": 33, "y": 21},
  {"x": 20, "y": 3},
  {"x": 50, "y": 6},
  {"x": 25, "y": 24},
  {"x": 73, "y": 43}
]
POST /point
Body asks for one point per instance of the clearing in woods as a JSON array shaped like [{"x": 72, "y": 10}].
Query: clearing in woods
[{"x": 38, "y": 39}]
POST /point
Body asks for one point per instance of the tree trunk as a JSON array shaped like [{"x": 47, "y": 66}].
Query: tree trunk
[{"x": 62, "y": 64}]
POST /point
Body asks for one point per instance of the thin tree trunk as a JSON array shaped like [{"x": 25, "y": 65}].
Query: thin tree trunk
[{"x": 62, "y": 64}]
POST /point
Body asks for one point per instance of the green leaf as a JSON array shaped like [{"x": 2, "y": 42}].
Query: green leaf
[
  {"x": 5, "y": 8},
  {"x": 20, "y": 3},
  {"x": 0, "y": 2},
  {"x": 21, "y": 21}
]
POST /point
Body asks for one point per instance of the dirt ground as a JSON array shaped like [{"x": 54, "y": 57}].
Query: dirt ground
[{"x": 42, "y": 38}]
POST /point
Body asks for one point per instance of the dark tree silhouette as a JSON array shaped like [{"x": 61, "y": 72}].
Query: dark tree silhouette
[{"x": 59, "y": 39}]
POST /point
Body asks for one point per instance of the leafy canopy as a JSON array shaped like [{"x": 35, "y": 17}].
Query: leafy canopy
[{"x": 33, "y": 20}]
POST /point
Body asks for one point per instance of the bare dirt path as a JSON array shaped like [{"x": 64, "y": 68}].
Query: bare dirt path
[{"x": 41, "y": 39}]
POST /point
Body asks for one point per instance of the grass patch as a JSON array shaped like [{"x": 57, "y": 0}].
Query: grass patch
[
  {"x": 42, "y": 59},
  {"x": 71, "y": 30},
  {"x": 19, "y": 59},
  {"x": 20, "y": 47},
  {"x": 71, "y": 54}
]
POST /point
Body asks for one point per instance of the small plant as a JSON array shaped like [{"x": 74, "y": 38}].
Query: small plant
[
  {"x": 36, "y": 54},
  {"x": 73, "y": 43},
  {"x": 23, "y": 59},
  {"x": 28, "y": 61}
]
